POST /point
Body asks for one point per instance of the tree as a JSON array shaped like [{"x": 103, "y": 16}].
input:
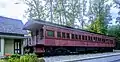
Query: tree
[
  {"x": 114, "y": 30},
  {"x": 60, "y": 12},
  {"x": 81, "y": 12},
  {"x": 67, "y": 12},
  {"x": 71, "y": 12},
  {"x": 64, "y": 12},
  {"x": 101, "y": 12},
  {"x": 117, "y": 2},
  {"x": 36, "y": 10}
]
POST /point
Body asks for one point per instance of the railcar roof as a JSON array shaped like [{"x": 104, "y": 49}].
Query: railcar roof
[{"x": 50, "y": 23}]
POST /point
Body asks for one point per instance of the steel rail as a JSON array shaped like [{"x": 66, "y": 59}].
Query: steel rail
[{"x": 94, "y": 58}]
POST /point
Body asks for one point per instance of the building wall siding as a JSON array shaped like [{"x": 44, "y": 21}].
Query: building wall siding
[{"x": 9, "y": 46}]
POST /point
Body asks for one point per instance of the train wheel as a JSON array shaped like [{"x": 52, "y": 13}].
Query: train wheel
[
  {"x": 49, "y": 52},
  {"x": 61, "y": 51}
]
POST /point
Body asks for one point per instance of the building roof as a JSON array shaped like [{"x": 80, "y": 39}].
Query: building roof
[{"x": 9, "y": 25}]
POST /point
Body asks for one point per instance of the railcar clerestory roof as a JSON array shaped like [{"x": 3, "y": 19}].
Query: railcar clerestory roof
[{"x": 36, "y": 21}]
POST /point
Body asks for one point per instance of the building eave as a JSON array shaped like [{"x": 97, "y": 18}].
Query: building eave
[{"x": 10, "y": 36}]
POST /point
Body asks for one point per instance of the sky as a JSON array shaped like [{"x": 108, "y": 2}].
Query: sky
[
  {"x": 13, "y": 9},
  {"x": 16, "y": 9}
]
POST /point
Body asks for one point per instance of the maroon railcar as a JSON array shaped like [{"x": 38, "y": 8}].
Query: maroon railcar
[{"x": 50, "y": 38}]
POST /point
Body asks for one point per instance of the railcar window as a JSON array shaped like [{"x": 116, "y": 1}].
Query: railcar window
[
  {"x": 50, "y": 33},
  {"x": 72, "y": 36},
  {"x": 83, "y": 37},
  {"x": 58, "y": 34},
  {"x": 76, "y": 36},
  {"x": 94, "y": 39},
  {"x": 91, "y": 38},
  {"x": 98, "y": 39},
  {"x": 103, "y": 40},
  {"x": 88, "y": 37},
  {"x": 80, "y": 37},
  {"x": 68, "y": 35},
  {"x": 63, "y": 35},
  {"x": 106, "y": 40},
  {"x": 111, "y": 41}
]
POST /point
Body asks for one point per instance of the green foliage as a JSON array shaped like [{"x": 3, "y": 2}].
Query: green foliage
[
  {"x": 14, "y": 58},
  {"x": 23, "y": 58},
  {"x": 29, "y": 58},
  {"x": 114, "y": 30},
  {"x": 102, "y": 16},
  {"x": 98, "y": 26},
  {"x": 2, "y": 60}
]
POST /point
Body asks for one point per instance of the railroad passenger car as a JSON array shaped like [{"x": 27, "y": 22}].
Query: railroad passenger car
[{"x": 50, "y": 38}]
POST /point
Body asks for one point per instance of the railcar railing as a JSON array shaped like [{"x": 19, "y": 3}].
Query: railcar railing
[{"x": 32, "y": 41}]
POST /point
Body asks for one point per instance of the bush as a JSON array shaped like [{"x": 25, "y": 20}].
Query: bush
[
  {"x": 24, "y": 58},
  {"x": 29, "y": 58},
  {"x": 2, "y": 60},
  {"x": 13, "y": 58},
  {"x": 41, "y": 60}
]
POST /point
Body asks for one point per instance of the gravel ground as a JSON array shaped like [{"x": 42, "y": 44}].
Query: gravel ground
[{"x": 76, "y": 57}]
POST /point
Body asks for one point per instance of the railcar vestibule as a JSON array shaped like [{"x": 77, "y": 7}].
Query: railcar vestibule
[{"x": 37, "y": 35}]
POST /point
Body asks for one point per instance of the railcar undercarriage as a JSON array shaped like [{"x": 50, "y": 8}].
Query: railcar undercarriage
[{"x": 68, "y": 50}]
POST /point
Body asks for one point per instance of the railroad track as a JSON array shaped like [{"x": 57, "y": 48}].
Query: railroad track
[
  {"x": 101, "y": 57},
  {"x": 109, "y": 58}
]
